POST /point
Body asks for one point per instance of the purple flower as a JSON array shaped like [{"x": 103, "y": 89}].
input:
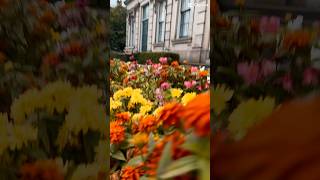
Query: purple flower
[
  {"x": 163, "y": 60},
  {"x": 310, "y": 76},
  {"x": 165, "y": 85}
]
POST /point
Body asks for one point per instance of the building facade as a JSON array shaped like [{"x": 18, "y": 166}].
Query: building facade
[{"x": 181, "y": 26}]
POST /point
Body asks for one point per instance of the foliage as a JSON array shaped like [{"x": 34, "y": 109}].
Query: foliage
[{"x": 118, "y": 27}]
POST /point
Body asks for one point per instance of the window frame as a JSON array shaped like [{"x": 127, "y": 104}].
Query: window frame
[
  {"x": 161, "y": 4},
  {"x": 182, "y": 20}
]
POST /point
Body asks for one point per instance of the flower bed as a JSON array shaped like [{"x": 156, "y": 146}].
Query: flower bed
[
  {"x": 51, "y": 78},
  {"x": 160, "y": 120}
]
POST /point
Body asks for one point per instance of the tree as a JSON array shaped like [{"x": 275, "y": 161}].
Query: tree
[{"x": 118, "y": 27}]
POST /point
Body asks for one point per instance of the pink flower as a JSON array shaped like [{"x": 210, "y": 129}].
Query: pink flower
[
  {"x": 207, "y": 85},
  {"x": 199, "y": 87},
  {"x": 249, "y": 72},
  {"x": 149, "y": 62},
  {"x": 190, "y": 84},
  {"x": 165, "y": 85},
  {"x": 269, "y": 25},
  {"x": 287, "y": 82},
  {"x": 267, "y": 68},
  {"x": 194, "y": 69},
  {"x": 187, "y": 84},
  {"x": 310, "y": 76},
  {"x": 193, "y": 82},
  {"x": 163, "y": 60}
]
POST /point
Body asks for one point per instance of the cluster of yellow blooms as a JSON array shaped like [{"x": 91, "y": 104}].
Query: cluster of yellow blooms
[
  {"x": 14, "y": 136},
  {"x": 83, "y": 111},
  {"x": 135, "y": 99}
]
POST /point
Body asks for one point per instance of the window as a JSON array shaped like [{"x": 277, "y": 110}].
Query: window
[
  {"x": 131, "y": 30},
  {"x": 184, "y": 18},
  {"x": 161, "y": 22},
  {"x": 144, "y": 33}
]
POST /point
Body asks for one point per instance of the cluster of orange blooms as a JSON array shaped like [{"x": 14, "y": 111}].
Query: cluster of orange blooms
[
  {"x": 42, "y": 169},
  {"x": 297, "y": 39},
  {"x": 196, "y": 115}
]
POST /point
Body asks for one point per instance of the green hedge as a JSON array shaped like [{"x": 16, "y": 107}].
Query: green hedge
[{"x": 142, "y": 57}]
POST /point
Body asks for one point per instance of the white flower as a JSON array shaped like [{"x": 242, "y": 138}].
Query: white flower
[{"x": 295, "y": 24}]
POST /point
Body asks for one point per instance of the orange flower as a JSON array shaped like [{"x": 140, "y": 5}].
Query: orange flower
[
  {"x": 169, "y": 114},
  {"x": 74, "y": 48},
  {"x": 117, "y": 132},
  {"x": 196, "y": 114},
  {"x": 51, "y": 59},
  {"x": 148, "y": 123},
  {"x": 203, "y": 73},
  {"x": 123, "y": 117},
  {"x": 130, "y": 173},
  {"x": 177, "y": 140},
  {"x": 42, "y": 169},
  {"x": 175, "y": 63},
  {"x": 2, "y": 57},
  {"x": 297, "y": 39},
  {"x": 283, "y": 146},
  {"x": 47, "y": 17}
]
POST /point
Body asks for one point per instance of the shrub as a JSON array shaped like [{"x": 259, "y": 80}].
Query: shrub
[{"x": 142, "y": 57}]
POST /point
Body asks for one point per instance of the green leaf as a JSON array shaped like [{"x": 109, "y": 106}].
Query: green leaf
[
  {"x": 135, "y": 161},
  {"x": 165, "y": 158},
  {"x": 179, "y": 167},
  {"x": 151, "y": 144},
  {"x": 204, "y": 167},
  {"x": 118, "y": 155}
]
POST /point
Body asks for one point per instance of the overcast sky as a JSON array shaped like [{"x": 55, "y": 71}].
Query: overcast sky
[{"x": 113, "y": 3}]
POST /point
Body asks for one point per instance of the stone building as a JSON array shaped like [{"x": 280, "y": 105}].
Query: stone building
[{"x": 181, "y": 26}]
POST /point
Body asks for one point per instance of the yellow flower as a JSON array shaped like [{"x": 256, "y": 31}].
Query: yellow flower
[
  {"x": 145, "y": 109},
  {"x": 126, "y": 92},
  {"x": 247, "y": 114},
  {"x": 14, "y": 136},
  {"x": 55, "y": 35},
  {"x": 114, "y": 104},
  {"x": 187, "y": 97},
  {"x": 220, "y": 97},
  {"x": 176, "y": 92},
  {"x": 139, "y": 139},
  {"x": 136, "y": 117},
  {"x": 157, "y": 111},
  {"x": 8, "y": 66}
]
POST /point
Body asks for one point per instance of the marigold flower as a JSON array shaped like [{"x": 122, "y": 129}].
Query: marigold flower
[
  {"x": 130, "y": 173},
  {"x": 117, "y": 132},
  {"x": 187, "y": 97},
  {"x": 42, "y": 169},
  {"x": 285, "y": 140},
  {"x": 296, "y": 39},
  {"x": 123, "y": 117},
  {"x": 203, "y": 73},
  {"x": 139, "y": 139},
  {"x": 196, "y": 114},
  {"x": 75, "y": 48},
  {"x": 47, "y": 17},
  {"x": 51, "y": 59},
  {"x": 152, "y": 162},
  {"x": 175, "y": 63},
  {"x": 148, "y": 123},
  {"x": 169, "y": 114},
  {"x": 175, "y": 92}
]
